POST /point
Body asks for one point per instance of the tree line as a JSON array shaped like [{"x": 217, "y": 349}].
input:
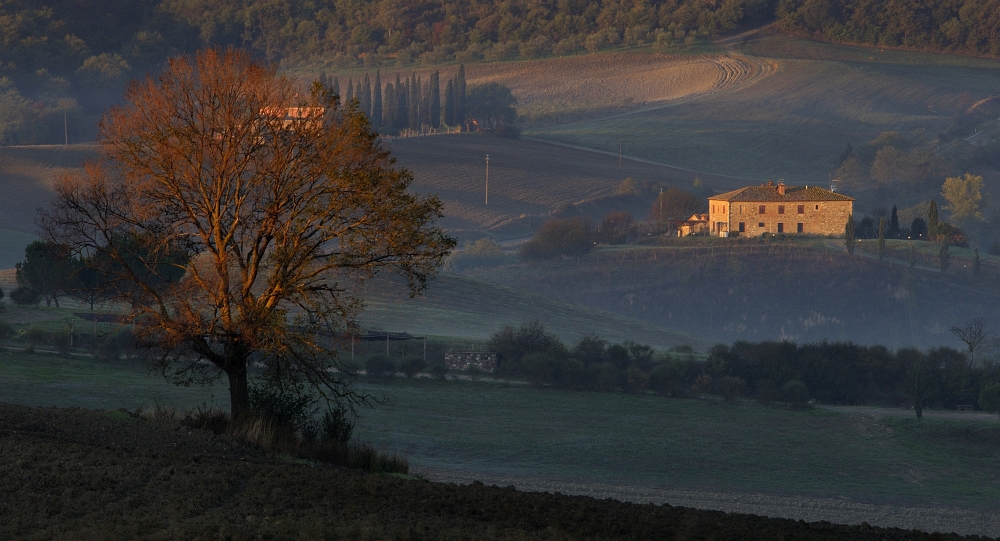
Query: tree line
[{"x": 833, "y": 373}]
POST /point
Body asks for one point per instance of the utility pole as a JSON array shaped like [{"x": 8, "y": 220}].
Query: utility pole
[
  {"x": 619, "y": 154},
  {"x": 66, "y": 129},
  {"x": 487, "y": 179},
  {"x": 661, "y": 209}
]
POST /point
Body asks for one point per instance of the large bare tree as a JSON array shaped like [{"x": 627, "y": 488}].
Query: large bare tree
[
  {"x": 236, "y": 214},
  {"x": 972, "y": 333}
]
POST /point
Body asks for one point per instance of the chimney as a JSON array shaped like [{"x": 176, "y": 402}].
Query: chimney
[
  {"x": 770, "y": 184},
  {"x": 781, "y": 188}
]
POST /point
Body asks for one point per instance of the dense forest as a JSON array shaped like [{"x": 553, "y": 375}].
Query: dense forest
[{"x": 67, "y": 59}]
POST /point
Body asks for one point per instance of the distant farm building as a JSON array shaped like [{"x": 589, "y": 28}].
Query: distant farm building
[
  {"x": 771, "y": 208},
  {"x": 484, "y": 362},
  {"x": 697, "y": 224}
]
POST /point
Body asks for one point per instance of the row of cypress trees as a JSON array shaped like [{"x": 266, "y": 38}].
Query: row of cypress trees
[{"x": 409, "y": 103}]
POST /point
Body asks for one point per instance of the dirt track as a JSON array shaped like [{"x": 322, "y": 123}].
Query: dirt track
[{"x": 78, "y": 474}]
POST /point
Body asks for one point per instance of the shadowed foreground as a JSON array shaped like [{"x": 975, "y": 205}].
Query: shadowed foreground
[{"x": 92, "y": 474}]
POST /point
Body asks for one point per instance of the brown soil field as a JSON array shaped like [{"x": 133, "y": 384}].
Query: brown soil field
[{"x": 79, "y": 474}]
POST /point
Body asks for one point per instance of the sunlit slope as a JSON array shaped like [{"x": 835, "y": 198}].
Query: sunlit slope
[
  {"x": 802, "y": 291},
  {"x": 793, "y": 123},
  {"x": 27, "y": 175},
  {"x": 459, "y": 306}
]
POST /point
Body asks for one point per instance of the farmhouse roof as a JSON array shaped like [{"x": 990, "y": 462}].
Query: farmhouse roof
[{"x": 780, "y": 193}]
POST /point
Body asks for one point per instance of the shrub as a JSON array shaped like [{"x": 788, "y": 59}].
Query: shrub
[
  {"x": 731, "y": 388},
  {"x": 663, "y": 378},
  {"x": 35, "y": 336},
  {"x": 413, "y": 366},
  {"x": 439, "y": 370},
  {"x": 635, "y": 380},
  {"x": 573, "y": 237},
  {"x": 63, "y": 341},
  {"x": 379, "y": 366},
  {"x": 702, "y": 384},
  {"x": 285, "y": 408},
  {"x": 538, "y": 368},
  {"x": 766, "y": 391},
  {"x": 795, "y": 392},
  {"x": 989, "y": 398},
  {"x": 603, "y": 377},
  {"x": 25, "y": 296},
  {"x": 335, "y": 426},
  {"x": 6, "y": 331}
]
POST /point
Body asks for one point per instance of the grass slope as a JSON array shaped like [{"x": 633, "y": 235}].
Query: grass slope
[
  {"x": 793, "y": 123},
  {"x": 805, "y": 291},
  {"x": 705, "y": 445},
  {"x": 455, "y": 305}
]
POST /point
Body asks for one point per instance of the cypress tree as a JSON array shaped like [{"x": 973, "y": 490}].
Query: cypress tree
[
  {"x": 881, "y": 238},
  {"x": 336, "y": 87},
  {"x": 402, "y": 110},
  {"x": 943, "y": 256},
  {"x": 849, "y": 234},
  {"x": 435, "y": 100},
  {"x": 449, "y": 103},
  {"x": 389, "y": 109},
  {"x": 413, "y": 103},
  {"x": 377, "y": 101},
  {"x": 894, "y": 223},
  {"x": 322, "y": 79},
  {"x": 975, "y": 264},
  {"x": 350, "y": 91},
  {"x": 932, "y": 219},
  {"x": 366, "y": 98},
  {"x": 913, "y": 255},
  {"x": 460, "y": 95}
]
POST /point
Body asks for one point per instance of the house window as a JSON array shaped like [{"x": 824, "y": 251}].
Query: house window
[
  {"x": 799, "y": 228},
  {"x": 760, "y": 224},
  {"x": 760, "y": 210},
  {"x": 781, "y": 227},
  {"x": 741, "y": 209},
  {"x": 781, "y": 209},
  {"x": 743, "y": 227},
  {"x": 802, "y": 209},
  {"x": 817, "y": 207}
]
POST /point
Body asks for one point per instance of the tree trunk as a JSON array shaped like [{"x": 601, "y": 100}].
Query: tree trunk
[{"x": 238, "y": 398}]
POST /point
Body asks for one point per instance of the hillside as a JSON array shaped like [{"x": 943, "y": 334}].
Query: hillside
[
  {"x": 755, "y": 290},
  {"x": 794, "y": 123},
  {"x": 456, "y": 305}
]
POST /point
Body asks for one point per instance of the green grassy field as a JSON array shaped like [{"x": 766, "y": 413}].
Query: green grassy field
[
  {"x": 794, "y": 122},
  {"x": 644, "y": 440}
]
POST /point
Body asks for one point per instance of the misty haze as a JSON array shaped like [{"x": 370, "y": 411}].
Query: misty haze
[{"x": 395, "y": 270}]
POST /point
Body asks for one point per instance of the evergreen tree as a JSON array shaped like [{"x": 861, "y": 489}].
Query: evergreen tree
[
  {"x": 336, "y": 86},
  {"x": 413, "y": 103},
  {"x": 975, "y": 264},
  {"x": 402, "y": 109},
  {"x": 424, "y": 91},
  {"x": 323, "y": 80},
  {"x": 460, "y": 95},
  {"x": 894, "y": 224},
  {"x": 913, "y": 255},
  {"x": 881, "y": 238},
  {"x": 932, "y": 220},
  {"x": 849, "y": 234},
  {"x": 377, "y": 101},
  {"x": 350, "y": 90},
  {"x": 943, "y": 256},
  {"x": 449, "y": 104},
  {"x": 366, "y": 98},
  {"x": 389, "y": 108},
  {"x": 435, "y": 100}
]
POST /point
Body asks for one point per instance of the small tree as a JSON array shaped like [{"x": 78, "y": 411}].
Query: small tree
[
  {"x": 913, "y": 256},
  {"x": 881, "y": 238},
  {"x": 572, "y": 237},
  {"x": 849, "y": 234},
  {"x": 976, "y": 264},
  {"x": 46, "y": 270},
  {"x": 894, "y": 223},
  {"x": 675, "y": 204},
  {"x": 989, "y": 398},
  {"x": 932, "y": 219},
  {"x": 944, "y": 258},
  {"x": 972, "y": 334}
]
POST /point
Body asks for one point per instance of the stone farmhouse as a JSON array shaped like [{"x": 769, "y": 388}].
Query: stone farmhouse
[{"x": 771, "y": 208}]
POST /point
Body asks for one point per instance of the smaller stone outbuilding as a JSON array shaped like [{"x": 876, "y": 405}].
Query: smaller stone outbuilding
[
  {"x": 771, "y": 208},
  {"x": 697, "y": 224},
  {"x": 484, "y": 362}
]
